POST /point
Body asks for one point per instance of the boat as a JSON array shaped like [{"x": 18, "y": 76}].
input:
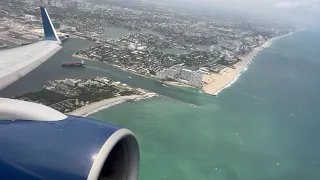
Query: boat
[
  {"x": 73, "y": 64},
  {"x": 3, "y": 46}
]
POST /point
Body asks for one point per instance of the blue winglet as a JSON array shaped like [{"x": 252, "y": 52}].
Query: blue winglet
[{"x": 49, "y": 32}]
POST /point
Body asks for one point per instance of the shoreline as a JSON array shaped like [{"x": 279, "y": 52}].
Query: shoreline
[
  {"x": 173, "y": 83},
  {"x": 106, "y": 103},
  {"x": 217, "y": 82}
]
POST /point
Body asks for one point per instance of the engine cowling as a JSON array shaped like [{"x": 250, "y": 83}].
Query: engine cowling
[{"x": 74, "y": 148}]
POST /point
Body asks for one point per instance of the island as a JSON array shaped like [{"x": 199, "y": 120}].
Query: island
[{"x": 84, "y": 96}]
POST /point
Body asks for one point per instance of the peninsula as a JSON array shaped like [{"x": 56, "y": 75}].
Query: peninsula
[
  {"x": 177, "y": 46},
  {"x": 210, "y": 71},
  {"x": 82, "y": 97}
]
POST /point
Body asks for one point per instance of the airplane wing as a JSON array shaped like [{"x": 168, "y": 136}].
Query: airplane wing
[
  {"x": 16, "y": 63},
  {"x": 38, "y": 142}
]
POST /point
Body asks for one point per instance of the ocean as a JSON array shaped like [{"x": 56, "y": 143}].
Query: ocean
[{"x": 262, "y": 127}]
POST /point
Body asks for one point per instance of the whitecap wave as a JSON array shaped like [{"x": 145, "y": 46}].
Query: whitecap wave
[
  {"x": 255, "y": 53},
  {"x": 246, "y": 66}
]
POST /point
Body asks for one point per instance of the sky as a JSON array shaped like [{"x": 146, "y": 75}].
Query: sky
[
  {"x": 305, "y": 5},
  {"x": 300, "y": 10}
]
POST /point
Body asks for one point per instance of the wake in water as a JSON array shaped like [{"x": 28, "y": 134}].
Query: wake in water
[{"x": 97, "y": 68}]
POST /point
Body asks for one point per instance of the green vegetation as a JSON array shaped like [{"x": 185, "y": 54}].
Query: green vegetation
[
  {"x": 66, "y": 98},
  {"x": 44, "y": 96}
]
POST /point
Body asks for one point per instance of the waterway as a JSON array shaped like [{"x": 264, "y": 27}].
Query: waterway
[
  {"x": 52, "y": 70},
  {"x": 263, "y": 127}
]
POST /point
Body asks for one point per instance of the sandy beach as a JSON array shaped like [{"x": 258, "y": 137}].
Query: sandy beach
[
  {"x": 216, "y": 82},
  {"x": 98, "y": 106}
]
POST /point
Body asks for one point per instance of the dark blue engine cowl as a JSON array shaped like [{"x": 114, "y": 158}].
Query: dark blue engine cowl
[{"x": 75, "y": 148}]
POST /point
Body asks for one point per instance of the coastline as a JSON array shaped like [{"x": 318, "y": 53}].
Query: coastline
[
  {"x": 106, "y": 103},
  {"x": 216, "y": 82},
  {"x": 173, "y": 83}
]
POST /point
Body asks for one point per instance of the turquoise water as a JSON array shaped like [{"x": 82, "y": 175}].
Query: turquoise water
[{"x": 263, "y": 127}]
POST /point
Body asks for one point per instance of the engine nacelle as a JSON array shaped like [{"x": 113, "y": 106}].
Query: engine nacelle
[{"x": 75, "y": 148}]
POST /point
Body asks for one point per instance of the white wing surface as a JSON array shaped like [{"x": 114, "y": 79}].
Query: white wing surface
[{"x": 16, "y": 63}]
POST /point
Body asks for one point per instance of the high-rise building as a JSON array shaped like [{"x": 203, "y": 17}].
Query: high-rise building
[
  {"x": 185, "y": 74},
  {"x": 182, "y": 75},
  {"x": 171, "y": 73},
  {"x": 161, "y": 75}
]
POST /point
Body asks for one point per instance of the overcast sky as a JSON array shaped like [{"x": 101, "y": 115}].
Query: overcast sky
[
  {"x": 302, "y": 10},
  {"x": 309, "y": 5}
]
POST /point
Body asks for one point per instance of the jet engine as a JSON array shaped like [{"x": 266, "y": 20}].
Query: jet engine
[{"x": 38, "y": 142}]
